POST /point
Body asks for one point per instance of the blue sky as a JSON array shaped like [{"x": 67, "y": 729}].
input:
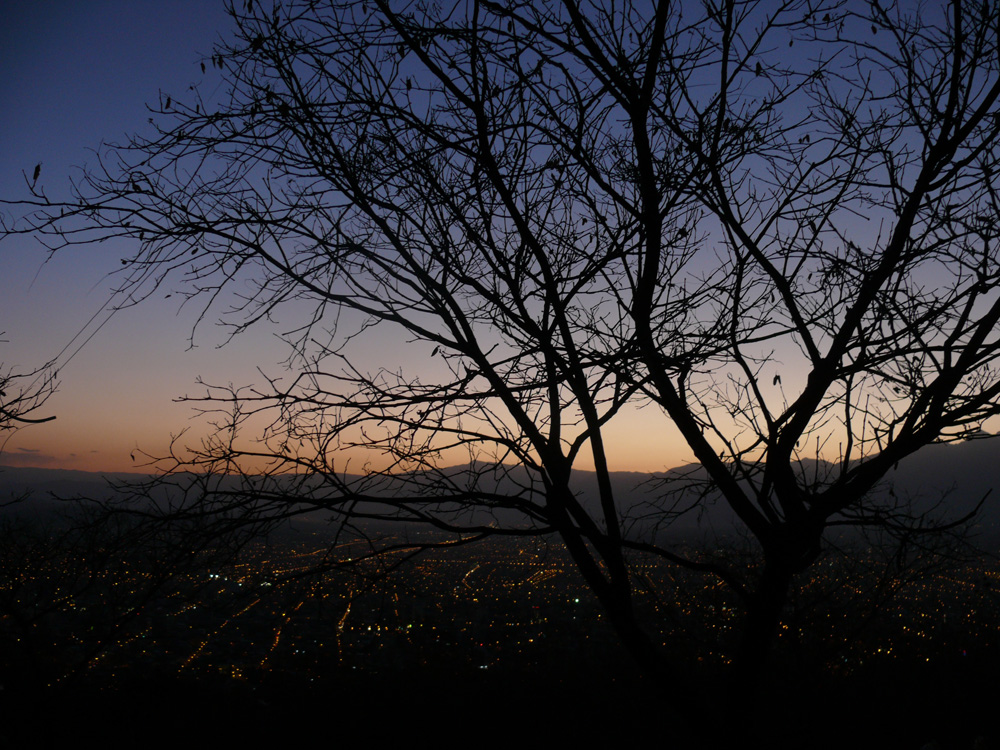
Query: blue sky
[{"x": 77, "y": 74}]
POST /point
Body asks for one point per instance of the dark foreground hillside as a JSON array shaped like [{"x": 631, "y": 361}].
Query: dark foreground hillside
[{"x": 902, "y": 706}]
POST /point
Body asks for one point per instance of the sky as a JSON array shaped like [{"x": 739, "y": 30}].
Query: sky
[
  {"x": 76, "y": 75},
  {"x": 79, "y": 74}
]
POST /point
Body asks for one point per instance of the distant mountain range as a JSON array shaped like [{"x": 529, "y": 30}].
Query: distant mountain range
[{"x": 945, "y": 480}]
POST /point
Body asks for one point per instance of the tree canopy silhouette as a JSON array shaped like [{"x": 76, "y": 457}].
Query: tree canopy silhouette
[{"x": 773, "y": 222}]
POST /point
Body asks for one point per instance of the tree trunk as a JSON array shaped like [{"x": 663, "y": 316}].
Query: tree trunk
[
  {"x": 759, "y": 628},
  {"x": 683, "y": 711}
]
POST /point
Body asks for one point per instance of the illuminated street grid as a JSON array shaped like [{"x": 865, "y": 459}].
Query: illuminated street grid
[{"x": 506, "y": 603}]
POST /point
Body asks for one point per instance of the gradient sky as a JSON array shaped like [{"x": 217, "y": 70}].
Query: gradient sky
[{"x": 77, "y": 74}]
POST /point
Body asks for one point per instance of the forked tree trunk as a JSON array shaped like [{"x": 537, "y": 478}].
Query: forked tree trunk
[
  {"x": 684, "y": 721},
  {"x": 760, "y": 628},
  {"x": 683, "y": 716}
]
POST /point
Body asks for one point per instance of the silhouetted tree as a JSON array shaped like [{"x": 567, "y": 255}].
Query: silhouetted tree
[{"x": 773, "y": 222}]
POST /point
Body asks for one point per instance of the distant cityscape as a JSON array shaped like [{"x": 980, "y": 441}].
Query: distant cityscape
[
  {"x": 114, "y": 634},
  {"x": 508, "y": 603}
]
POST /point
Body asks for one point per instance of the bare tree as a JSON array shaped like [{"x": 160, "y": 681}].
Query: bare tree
[{"x": 776, "y": 222}]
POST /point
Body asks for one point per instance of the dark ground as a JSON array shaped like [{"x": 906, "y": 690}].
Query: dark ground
[{"x": 895, "y": 707}]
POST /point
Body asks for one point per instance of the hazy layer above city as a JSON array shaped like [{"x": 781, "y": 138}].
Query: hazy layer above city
[{"x": 945, "y": 481}]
